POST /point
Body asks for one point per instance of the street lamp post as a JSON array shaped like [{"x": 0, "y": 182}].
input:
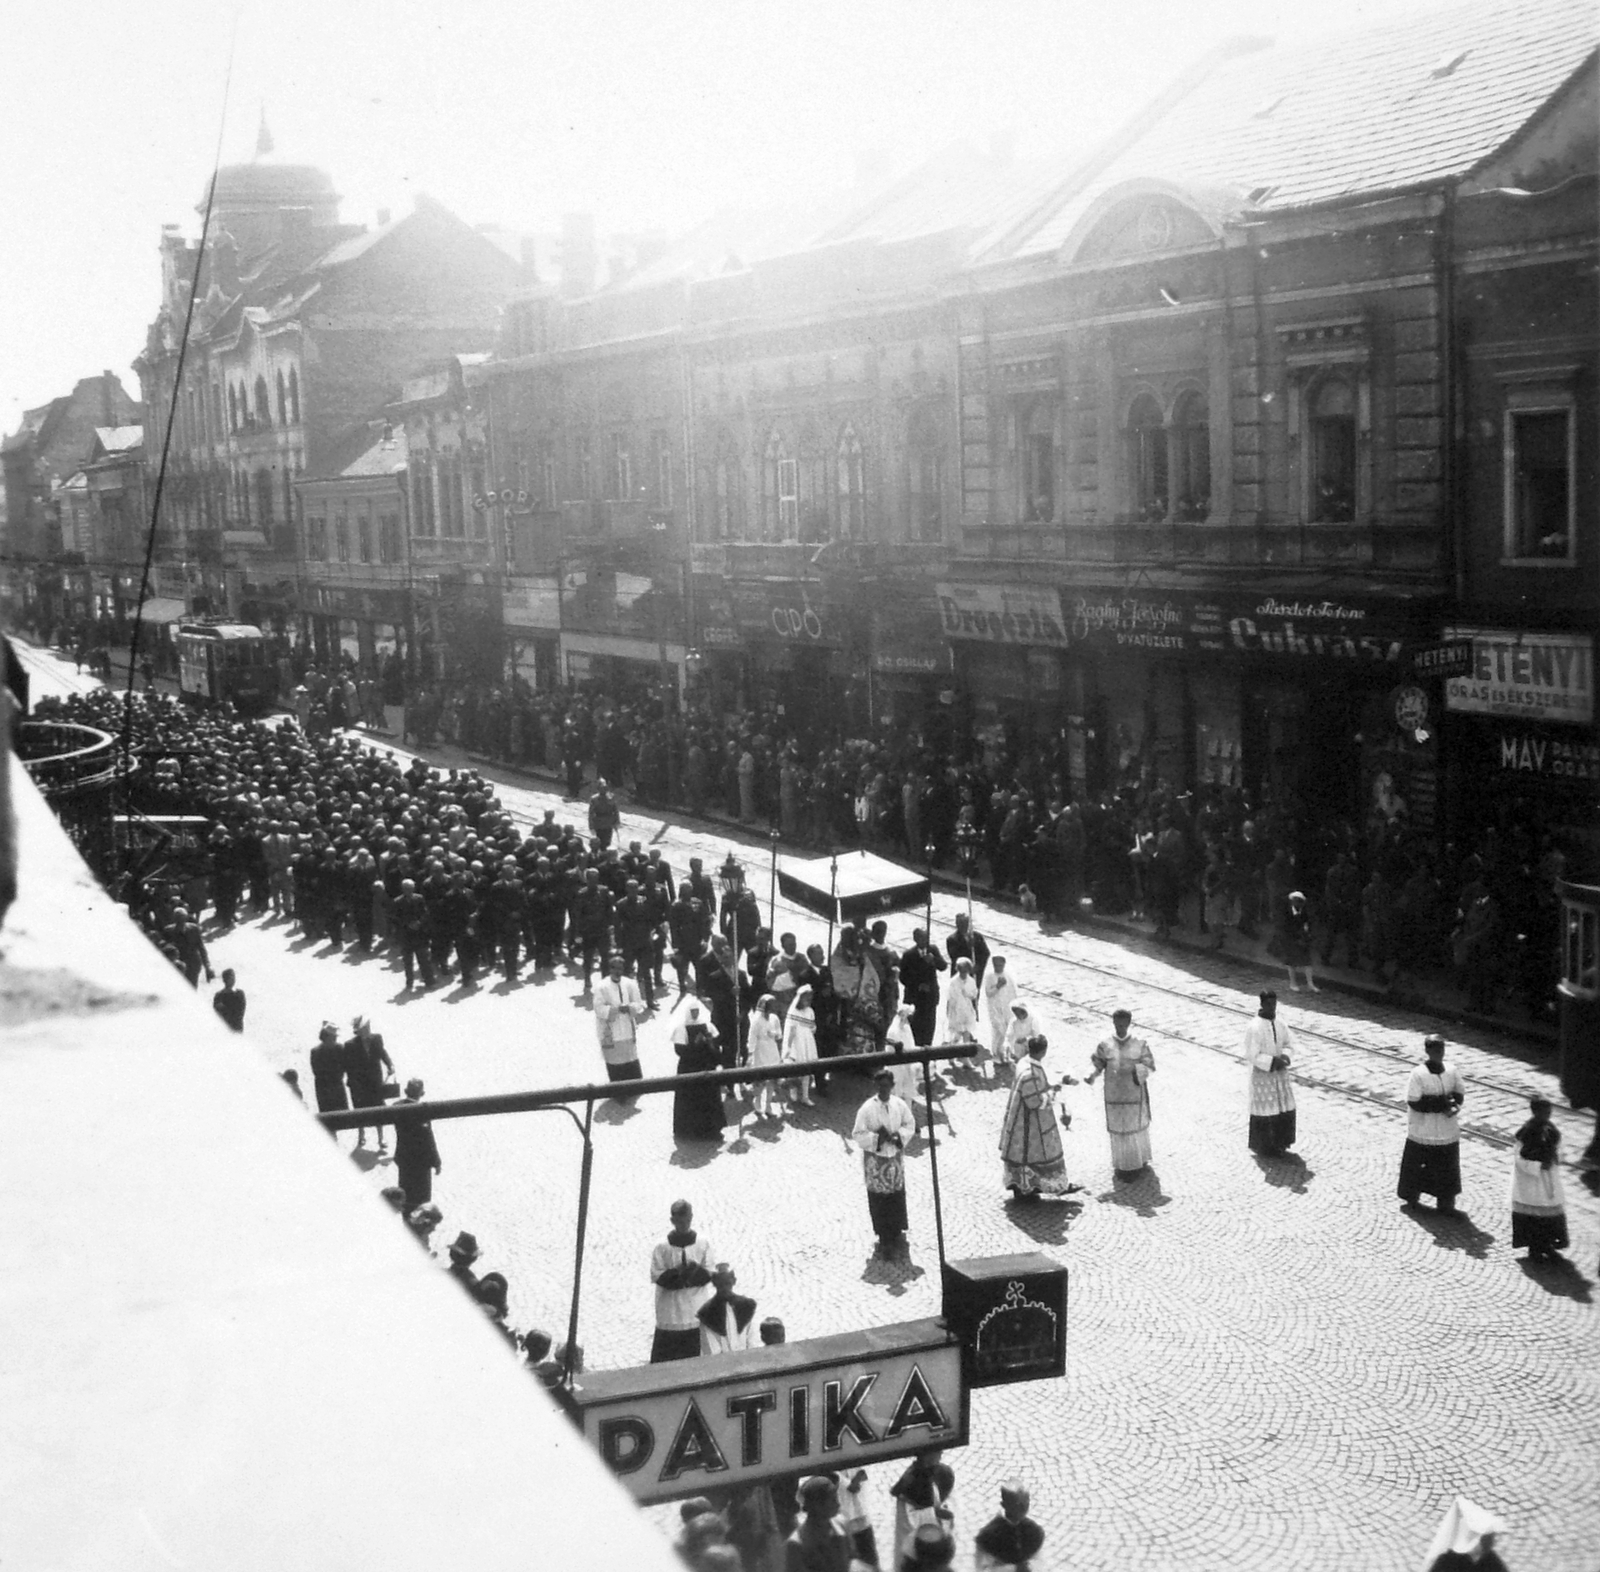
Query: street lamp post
[
  {"x": 929, "y": 852},
  {"x": 731, "y": 877},
  {"x": 967, "y": 854}
]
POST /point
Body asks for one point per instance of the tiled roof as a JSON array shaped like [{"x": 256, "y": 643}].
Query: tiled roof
[
  {"x": 1377, "y": 109},
  {"x": 360, "y": 452},
  {"x": 118, "y": 439}
]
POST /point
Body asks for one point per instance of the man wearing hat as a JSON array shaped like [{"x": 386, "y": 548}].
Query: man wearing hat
[
  {"x": 1431, "y": 1162},
  {"x": 416, "y": 1153},
  {"x": 883, "y": 1126},
  {"x": 463, "y": 1252},
  {"x": 1267, "y": 1059}
]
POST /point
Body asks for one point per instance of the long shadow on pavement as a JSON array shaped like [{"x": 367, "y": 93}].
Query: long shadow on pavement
[
  {"x": 1286, "y": 1173},
  {"x": 1560, "y": 1278},
  {"x": 1455, "y": 1232},
  {"x": 1143, "y": 1192},
  {"x": 695, "y": 1154},
  {"x": 896, "y": 1272},
  {"x": 1044, "y": 1222}
]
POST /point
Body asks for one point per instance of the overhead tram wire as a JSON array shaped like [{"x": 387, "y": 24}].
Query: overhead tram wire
[{"x": 125, "y": 754}]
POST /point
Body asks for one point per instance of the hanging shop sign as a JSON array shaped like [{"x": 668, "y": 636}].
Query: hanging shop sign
[
  {"x": 1001, "y": 613},
  {"x": 531, "y": 603},
  {"x": 1453, "y": 659},
  {"x": 1128, "y": 621},
  {"x": 680, "y": 1429},
  {"x": 1531, "y": 676},
  {"x": 906, "y": 639}
]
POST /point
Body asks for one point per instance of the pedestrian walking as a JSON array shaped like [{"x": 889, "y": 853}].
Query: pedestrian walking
[
  {"x": 1127, "y": 1065},
  {"x": 1030, "y": 1134},
  {"x": 883, "y": 1126},
  {"x": 727, "y": 1320},
  {"x": 800, "y": 1044},
  {"x": 766, "y": 1052},
  {"x": 604, "y": 816},
  {"x": 967, "y": 941},
  {"x": 680, "y": 1268},
  {"x": 229, "y": 1001},
  {"x": 896, "y": 1040},
  {"x": 1431, "y": 1163},
  {"x": 961, "y": 1004},
  {"x": 618, "y": 1008},
  {"x": 696, "y": 1110},
  {"x": 328, "y": 1071},
  {"x": 1011, "y": 1539},
  {"x": 1023, "y": 1028},
  {"x": 999, "y": 993},
  {"x": 416, "y": 1153},
  {"x": 1268, "y": 1055},
  {"x": 1538, "y": 1206},
  {"x": 367, "y": 1068},
  {"x": 1464, "y": 1541},
  {"x": 1291, "y": 940}
]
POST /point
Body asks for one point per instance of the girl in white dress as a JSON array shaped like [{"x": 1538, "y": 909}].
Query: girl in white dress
[
  {"x": 961, "y": 1004},
  {"x": 906, "y": 1076},
  {"x": 999, "y": 991},
  {"x": 766, "y": 1049},
  {"x": 800, "y": 1042},
  {"x": 1022, "y": 1027}
]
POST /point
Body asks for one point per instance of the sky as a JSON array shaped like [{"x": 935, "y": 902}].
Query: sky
[{"x": 512, "y": 112}]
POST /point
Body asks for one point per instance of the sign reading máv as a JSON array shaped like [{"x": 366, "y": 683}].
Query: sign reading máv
[{"x": 679, "y": 1429}]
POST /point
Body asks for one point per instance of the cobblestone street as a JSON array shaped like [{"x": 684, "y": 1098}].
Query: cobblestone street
[{"x": 1266, "y": 1361}]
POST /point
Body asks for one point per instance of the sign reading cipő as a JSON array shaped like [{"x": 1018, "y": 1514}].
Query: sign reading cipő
[{"x": 678, "y": 1429}]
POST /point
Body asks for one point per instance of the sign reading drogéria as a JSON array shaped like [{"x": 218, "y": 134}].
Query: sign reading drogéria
[{"x": 1533, "y": 676}]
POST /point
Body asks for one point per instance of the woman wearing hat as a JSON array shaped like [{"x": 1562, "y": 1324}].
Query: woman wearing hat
[
  {"x": 328, "y": 1071},
  {"x": 1291, "y": 939}
]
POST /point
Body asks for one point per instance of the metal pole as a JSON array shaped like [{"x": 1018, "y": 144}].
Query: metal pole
[
  {"x": 567, "y": 1370},
  {"x": 833, "y": 902},
  {"x": 933, "y": 1160},
  {"x": 772, "y": 893}
]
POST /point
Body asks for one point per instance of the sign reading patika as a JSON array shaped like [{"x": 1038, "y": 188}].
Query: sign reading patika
[
  {"x": 1532, "y": 676},
  {"x": 839, "y": 1402}
]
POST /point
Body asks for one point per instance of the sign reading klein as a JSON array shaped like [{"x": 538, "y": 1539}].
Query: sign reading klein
[
  {"x": 1532, "y": 676},
  {"x": 834, "y": 1402}
]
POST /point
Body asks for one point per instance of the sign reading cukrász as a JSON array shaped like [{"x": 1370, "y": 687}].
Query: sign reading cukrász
[{"x": 694, "y": 1425}]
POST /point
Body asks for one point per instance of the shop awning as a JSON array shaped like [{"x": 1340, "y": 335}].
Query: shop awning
[{"x": 160, "y": 609}]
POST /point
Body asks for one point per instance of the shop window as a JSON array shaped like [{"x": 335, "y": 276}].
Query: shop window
[
  {"x": 1147, "y": 460},
  {"x": 341, "y": 537},
  {"x": 925, "y": 480},
  {"x": 1539, "y": 490},
  {"x": 1190, "y": 457},
  {"x": 294, "y": 396},
  {"x": 852, "y": 486},
  {"x": 620, "y": 467},
  {"x": 364, "y": 538},
  {"x": 1037, "y": 423},
  {"x": 388, "y": 537},
  {"x": 662, "y": 469},
  {"x": 1580, "y": 950},
  {"x": 1331, "y": 439},
  {"x": 263, "y": 406}
]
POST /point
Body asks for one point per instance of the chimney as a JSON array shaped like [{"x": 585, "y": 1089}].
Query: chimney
[{"x": 580, "y": 261}]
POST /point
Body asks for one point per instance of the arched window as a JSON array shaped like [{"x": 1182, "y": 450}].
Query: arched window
[
  {"x": 1332, "y": 432},
  {"x": 1191, "y": 459},
  {"x": 925, "y": 478},
  {"x": 283, "y": 401},
  {"x": 780, "y": 492},
  {"x": 233, "y": 409},
  {"x": 852, "y": 469},
  {"x": 1147, "y": 460},
  {"x": 288, "y": 495},
  {"x": 1038, "y": 469},
  {"x": 815, "y": 523},
  {"x": 263, "y": 405},
  {"x": 264, "y": 491},
  {"x": 727, "y": 492},
  {"x": 421, "y": 497},
  {"x": 294, "y": 396}
]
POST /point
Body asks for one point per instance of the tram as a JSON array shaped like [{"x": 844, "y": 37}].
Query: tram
[{"x": 229, "y": 661}]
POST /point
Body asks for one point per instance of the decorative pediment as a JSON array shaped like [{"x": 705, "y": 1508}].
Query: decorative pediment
[{"x": 1143, "y": 225}]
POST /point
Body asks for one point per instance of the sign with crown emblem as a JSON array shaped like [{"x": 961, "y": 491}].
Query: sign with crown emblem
[{"x": 1010, "y": 1313}]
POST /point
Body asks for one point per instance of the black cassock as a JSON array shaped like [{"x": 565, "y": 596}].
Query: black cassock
[
  {"x": 919, "y": 987},
  {"x": 697, "y": 1110}
]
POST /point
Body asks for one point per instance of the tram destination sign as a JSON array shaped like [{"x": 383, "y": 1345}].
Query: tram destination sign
[{"x": 680, "y": 1429}]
